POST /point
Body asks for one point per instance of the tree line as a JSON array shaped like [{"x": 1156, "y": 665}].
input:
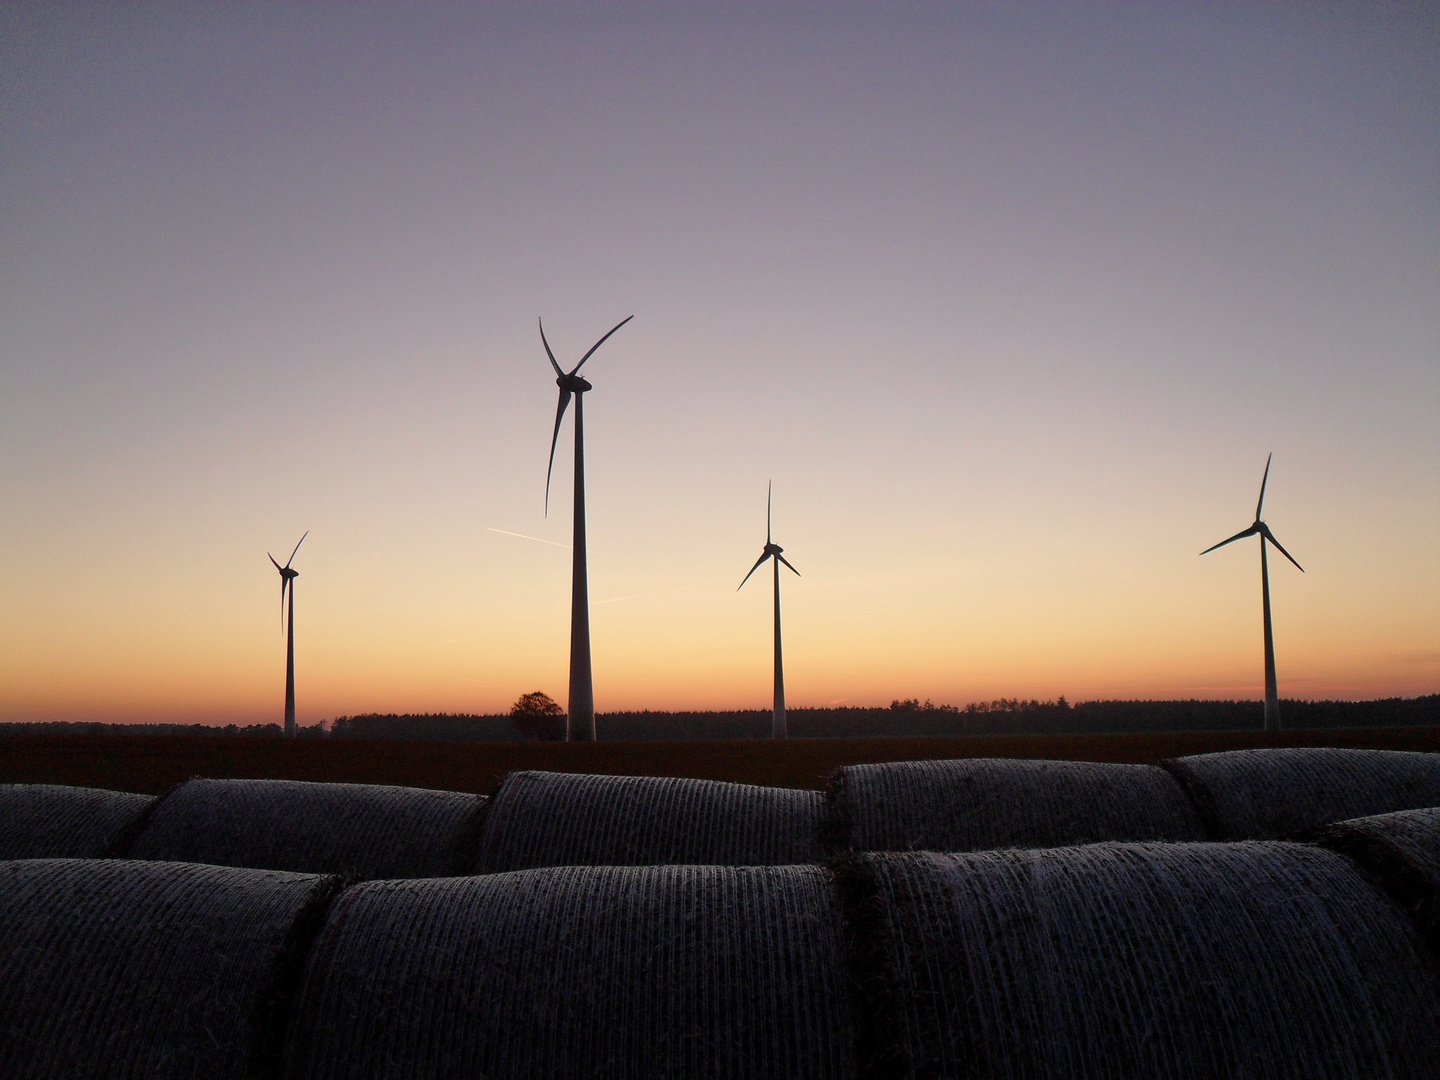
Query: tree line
[{"x": 536, "y": 716}]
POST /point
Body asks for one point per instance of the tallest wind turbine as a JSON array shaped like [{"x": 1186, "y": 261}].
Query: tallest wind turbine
[
  {"x": 581, "y": 708},
  {"x": 1260, "y": 529}
]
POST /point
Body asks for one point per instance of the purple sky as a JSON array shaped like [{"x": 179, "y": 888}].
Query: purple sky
[{"x": 1010, "y": 301}]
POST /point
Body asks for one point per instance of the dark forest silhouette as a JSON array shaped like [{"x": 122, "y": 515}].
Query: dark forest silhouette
[{"x": 902, "y": 718}]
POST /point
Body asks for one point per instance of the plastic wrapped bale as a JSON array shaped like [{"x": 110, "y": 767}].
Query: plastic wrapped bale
[
  {"x": 1402, "y": 851},
  {"x": 975, "y": 804},
  {"x": 360, "y": 829},
  {"x": 112, "y": 968},
  {"x": 1281, "y": 794},
  {"x": 563, "y": 819},
  {"x": 50, "y": 821},
  {"x": 1136, "y": 960},
  {"x": 621, "y": 972}
]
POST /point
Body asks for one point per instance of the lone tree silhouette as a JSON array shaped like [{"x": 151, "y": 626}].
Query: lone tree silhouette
[{"x": 538, "y": 714}]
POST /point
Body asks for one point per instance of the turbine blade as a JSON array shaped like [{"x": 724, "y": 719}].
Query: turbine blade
[
  {"x": 1251, "y": 531},
  {"x": 284, "y": 584},
  {"x": 1263, "y": 479},
  {"x": 548, "y": 353},
  {"x": 787, "y": 563},
  {"x": 559, "y": 415},
  {"x": 1265, "y": 532},
  {"x": 758, "y": 561},
  {"x": 597, "y": 344},
  {"x": 769, "y": 493},
  {"x": 273, "y": 562},
  {"x": 297, "y": 548}
]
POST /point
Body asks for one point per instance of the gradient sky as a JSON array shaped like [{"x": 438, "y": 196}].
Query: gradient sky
[{"x": 1010, "y": 301}]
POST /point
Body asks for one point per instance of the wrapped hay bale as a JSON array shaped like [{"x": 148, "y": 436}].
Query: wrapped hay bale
[
  {"x": 111, "y": 968},
  {"x": 1282, "y": 793},
  {"x": 50, "y": 821},
  {"x": 975, "y": 804},
  {"x": 1136, "y": 960},
  {"x": 620, "y": 972},
  {"x": 563, "y": 819},
  {"x": 1402, "y": 851},
  {"x": 360, "y": 829}
]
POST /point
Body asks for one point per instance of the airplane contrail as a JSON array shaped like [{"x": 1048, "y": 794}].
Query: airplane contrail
[
  {"x": 638, "y": 595},
  {"x": 507, "y": 532}
]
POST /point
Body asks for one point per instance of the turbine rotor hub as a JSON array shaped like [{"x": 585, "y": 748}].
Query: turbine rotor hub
[{"x": 576, "y": 384}]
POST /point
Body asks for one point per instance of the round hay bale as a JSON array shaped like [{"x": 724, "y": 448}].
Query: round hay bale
[
  {"x": 359, "y": 829},
  {"x": 113, "y": 968},
  {"x": 621, "y": 972},
  {"x": 1402, "y": 851},
  {"x": 1283, "y": 793},
  {"x": 565, "y": 819},
  {"x": 51, "y": 821},
  {"x": 975, "y": 804},
  {"x": 1136, "y": 960}
]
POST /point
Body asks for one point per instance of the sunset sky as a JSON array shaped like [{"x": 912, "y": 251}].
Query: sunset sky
[{"x": 1010, "y": 301}]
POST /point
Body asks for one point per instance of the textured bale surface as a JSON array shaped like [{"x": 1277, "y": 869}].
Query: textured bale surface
[
  {"x": 1402, "y": 850},
  {"x": 976, "y": 804},
  {"x": 50, "y": 821},
  {"x": 564, "y": 819},
  {"x": 1281, "y": 793},
  {"x": 111, "y": 968},
  {"x": 1138, "y": 960},
  {"x": 642, "y": 972},
  {"x": 366, "y": 830}
]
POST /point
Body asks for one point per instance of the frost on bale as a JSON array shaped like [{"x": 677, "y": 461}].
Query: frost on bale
[
  {"x": 362, "y": 829},
  {"x": 1402, "y": 851},
  {"x": 620, "y": 972},
  {"x": 975, "y": 804},
  {"x": 112, "y": 968},
  {"x": 50, "y": 821},
  {"x": 1136, "y": 960},
  {"x": 562, "y": 819},
  {"x": 1280, "y": 794}
]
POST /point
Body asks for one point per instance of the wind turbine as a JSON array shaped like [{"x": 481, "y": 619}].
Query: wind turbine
[
  {"x": 1259, "y": 528},
  {"x": 773, "y": 551},
  {"x": 287, "y": 582},
  {"x": 580, "y": 725}
]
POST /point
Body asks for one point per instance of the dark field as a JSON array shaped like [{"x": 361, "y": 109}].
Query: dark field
[{"x": 150, "y": 764}]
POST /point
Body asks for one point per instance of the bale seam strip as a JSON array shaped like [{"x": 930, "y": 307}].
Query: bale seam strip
[
  {"x": 275, "y": 1004},
  {"x": 125, "y": 836},
  {"x": 1201, "y": 798}
]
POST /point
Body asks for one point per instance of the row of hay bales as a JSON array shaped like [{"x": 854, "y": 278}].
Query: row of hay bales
[
  {"x": 1263, "y": 959},
  {"x": 541, "y": 819}
]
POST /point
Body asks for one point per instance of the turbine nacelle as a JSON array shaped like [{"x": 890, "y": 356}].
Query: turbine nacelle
[
  {"x": 772, "y": 550},
  {"x": 571, "y": 384},
  {"x": 1258, "y": 527},
  {"x": 287, "y": 575}
]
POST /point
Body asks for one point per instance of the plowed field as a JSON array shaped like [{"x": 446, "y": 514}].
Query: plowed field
[{"x": 151, "y": 764}]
